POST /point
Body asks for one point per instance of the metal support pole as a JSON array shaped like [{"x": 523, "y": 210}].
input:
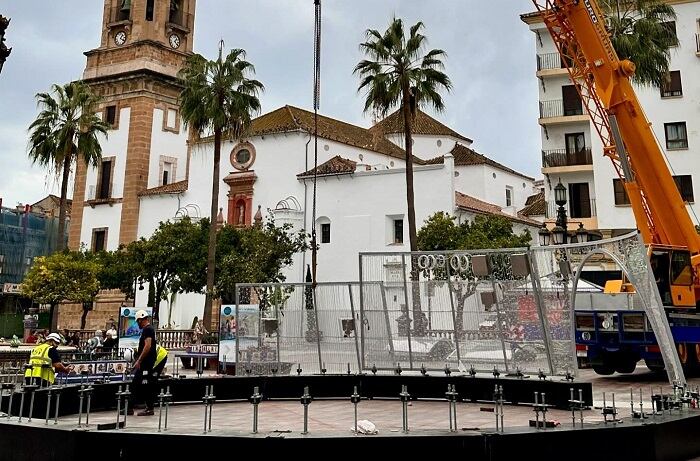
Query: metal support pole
[
  {"x": 48, "y": 404},
  {"x": 355, "y": 399},
  {"x": 306, "y": 401},
  {"x": 119, "y": 406},
  {"x": 408, "y": 308},
  {"x": 125, "y": 395},
  {"x": 537, "y": 410},
  {"x": 451, "y": 396},
  {"x": 58, "y": 403},
  {"x": 161, "y": 396},
  {"x": 9, "y": 402},
  {"x": 212, "y": 399},
  {"x": 168, "y": 399},
  {"x": 80, "y": 409},
  {"x": 405, "y": 398},
  {"x": 89, "y": 400},
  {"x": 357, "y": 330},
  {"x": 455, "y": 328},
  {"x": 255, "y": 399},
  {"x": 544, "y": 410},
  {"x": 318, "y": 330}
]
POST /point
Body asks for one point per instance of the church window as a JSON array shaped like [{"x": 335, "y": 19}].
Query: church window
[
  {"x": 150, "y": 6},
  {"x": 111, "y": 115}
]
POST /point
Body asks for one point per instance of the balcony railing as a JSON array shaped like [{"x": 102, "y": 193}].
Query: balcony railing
[
  {"x": 578, "y": 210},
  {"x": 549, "y": 61},
  {"x": 560, "y": 157},
  {"x": 556, "y": 108},
  {"x": 119, "y": 14}
]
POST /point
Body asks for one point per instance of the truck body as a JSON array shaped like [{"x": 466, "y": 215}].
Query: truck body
[{"x": 612, "y": 340}]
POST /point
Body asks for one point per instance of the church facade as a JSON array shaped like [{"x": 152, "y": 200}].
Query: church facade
[{"x": 151, "y": 172}]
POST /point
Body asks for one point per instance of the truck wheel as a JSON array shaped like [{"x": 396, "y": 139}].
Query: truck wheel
[
  {"x": 626, "y": 367},
  {"x": 655, "y": 367},
  {"x": 603, "y": 370}
]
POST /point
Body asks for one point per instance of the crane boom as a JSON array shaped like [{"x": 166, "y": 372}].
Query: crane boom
[{"x": 603, "y": 81}]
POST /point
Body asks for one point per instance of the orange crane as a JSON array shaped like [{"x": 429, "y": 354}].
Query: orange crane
[{"x": 603, "y": 81}]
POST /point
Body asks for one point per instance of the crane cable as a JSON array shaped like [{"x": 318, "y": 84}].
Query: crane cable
[{"x": 317, "y": 103}]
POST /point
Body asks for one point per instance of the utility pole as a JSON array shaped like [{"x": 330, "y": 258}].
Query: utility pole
[{"x": 4, "y": 50}]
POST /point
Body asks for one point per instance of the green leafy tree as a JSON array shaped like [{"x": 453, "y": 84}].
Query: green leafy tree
[
  {"x": 172, "y": 260},
  {"x": 65, "y": 276},
  {"x": 218, "y": 98},
  {"x": 66, "y": 130},
  {"x": 255, "y": 254},
  {"x": 640, "y": 31},
  {"x": 398, "y": 72},
  {"x": 441, "y": 232}
]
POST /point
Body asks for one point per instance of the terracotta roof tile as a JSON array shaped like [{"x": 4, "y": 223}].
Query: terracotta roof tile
[
  {"x": 335, "y": 166},
  {"x": 535, "y": 205},
  {"x": 466, "y": 156},
  {"x": 173, "y": 188},
  {"x": 423, "y": 124},
  {"x": 473, "y": 204},
  {"x": 289, "y": 118}
]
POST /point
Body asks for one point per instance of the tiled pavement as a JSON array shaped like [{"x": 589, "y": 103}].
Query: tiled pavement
[{"x": 328, "y": 417}]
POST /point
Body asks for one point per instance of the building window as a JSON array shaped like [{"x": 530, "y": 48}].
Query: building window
[
  {"x": 111, "y": 115},
  {"x": 99, "y": 239},
  {"x": 167, "y": 173},
  {"x": 326, "y": 233},
  {"x": 575, "y": 143},
  {"x": 104, "y": 189},
  {"x": 398, "y": 230},
  {"x": 150, "y": 6},
  {"x": 671, "y": 26},
  {"x": 509, "y": 196},
  {"x": 580, "y": 203},
  {"x": 2, "y": 263},
  {"x": 685, "y": 187},
  {"x": 676, "y": 135},
  {"x": 571, "y": 100},
  {"x": 621, "y": 197},
  {"x": 170, "y": 120},
  {"x": 672, "y": 86}
]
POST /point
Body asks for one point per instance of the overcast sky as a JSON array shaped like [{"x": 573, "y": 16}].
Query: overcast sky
[{"x": 490, "y": 60}]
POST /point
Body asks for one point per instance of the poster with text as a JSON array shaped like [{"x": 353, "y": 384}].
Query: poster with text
[
  {"x": 129, "y": 331},
  {"x": 240, "y": 325}
]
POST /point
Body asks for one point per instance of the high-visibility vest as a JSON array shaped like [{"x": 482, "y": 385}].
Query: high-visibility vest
[
  {"x": 161, "y": 354},
  {"x": 41, "y": 364}
]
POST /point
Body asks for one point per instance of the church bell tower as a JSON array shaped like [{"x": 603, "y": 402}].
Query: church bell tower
[{"x": 143, "y": 46}]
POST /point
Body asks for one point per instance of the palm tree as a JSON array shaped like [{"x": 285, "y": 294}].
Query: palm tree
[
  {"x": 65, "y": 130},
  {"x": 641, "y": 32},
  {"x": 396, "y": 72},
  {"x": 218, "y": 97}
]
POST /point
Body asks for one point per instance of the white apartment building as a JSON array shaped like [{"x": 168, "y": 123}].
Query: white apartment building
[{"x": 572, "y": 152}]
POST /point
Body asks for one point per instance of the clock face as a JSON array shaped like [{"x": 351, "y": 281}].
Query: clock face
[
  {"x": 120, "y": 38},
  {"x": 175, "y": 41}
]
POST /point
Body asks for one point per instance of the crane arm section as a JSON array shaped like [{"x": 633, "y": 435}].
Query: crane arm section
[{"x": 603, "y": 80}]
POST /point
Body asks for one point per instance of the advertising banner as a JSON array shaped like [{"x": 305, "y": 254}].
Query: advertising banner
[
  {"x": 240, "y": 324},
  {"x": 129, "y": 331}
]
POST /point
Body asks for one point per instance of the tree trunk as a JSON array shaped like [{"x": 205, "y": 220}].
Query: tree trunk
[
  {"x": 211, "y": 255},
  {"x": 83, "y": 318},
  {"x": 67, "y": 161},
  {"x": 419, "y": 320},
  {"x": 54, "y": 317}
]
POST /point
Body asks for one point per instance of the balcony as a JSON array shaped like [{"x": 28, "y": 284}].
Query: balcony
[
  {"x": 561, "y": 158},
  {"x": 119, "y": 16},
  {"x": 582, "y": 209},
  {"x": 550, "y": 64},
  {"x": 179, "y": 21},
  {"x": 558, "y": 112}
]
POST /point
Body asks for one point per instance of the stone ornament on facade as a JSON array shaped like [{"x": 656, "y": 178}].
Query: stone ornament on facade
[{"x": 243, "y": 156}]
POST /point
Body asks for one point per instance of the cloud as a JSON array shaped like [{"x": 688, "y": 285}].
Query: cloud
[{"x": 491, "y": 56}]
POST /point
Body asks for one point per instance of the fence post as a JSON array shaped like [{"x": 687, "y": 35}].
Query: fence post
[
  {"x": 499, "y": 317},
  {"x": 452, "y": 306},
  {"x": 352, "y": 311},
  {"x": 388, "y": 325},
  {"x": 361, "y": 329},
  {"x": 539, "y": 302},
  {"x": 318, "y": 332},
  {"x": 408, "y": 309},
  {"x": 237, "y": 360}
]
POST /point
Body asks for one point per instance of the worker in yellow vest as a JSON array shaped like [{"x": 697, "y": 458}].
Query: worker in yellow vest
[
  {"x": 161, "y": 360},
  {"x": 45, "y": 362}
]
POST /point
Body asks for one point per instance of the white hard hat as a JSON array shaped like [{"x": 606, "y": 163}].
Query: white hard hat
[
  {"x": 54, "y": 337},
  {"x": 142, "y": 314}
]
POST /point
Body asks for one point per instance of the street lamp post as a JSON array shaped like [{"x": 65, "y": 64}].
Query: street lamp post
[{"x": 4, "y": 50}]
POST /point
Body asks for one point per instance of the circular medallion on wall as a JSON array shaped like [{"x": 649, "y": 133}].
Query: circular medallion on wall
[{"x": 243, "y": 156}]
